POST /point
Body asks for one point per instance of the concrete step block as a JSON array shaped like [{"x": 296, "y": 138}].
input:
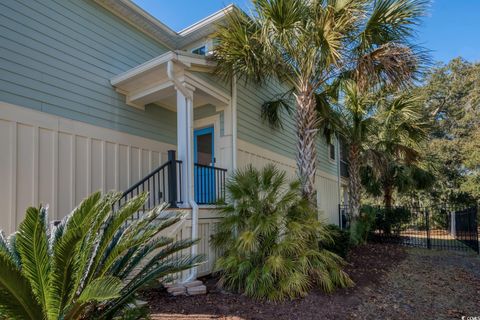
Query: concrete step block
[
  {"x": 179, "y": 293},
  {"x": 177, "y": 288},
  {"x": 197, "y": 290},
  {"x": 194, "y": 283}
]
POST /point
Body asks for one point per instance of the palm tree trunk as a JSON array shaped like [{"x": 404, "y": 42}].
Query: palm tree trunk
[
  {"x": 387, "y": 196},
  {"x": 306, "y": 131},
  {"x": 354, "y": 183}
]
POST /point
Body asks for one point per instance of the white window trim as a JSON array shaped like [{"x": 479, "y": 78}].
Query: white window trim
[{"x": 333, "y": 142}]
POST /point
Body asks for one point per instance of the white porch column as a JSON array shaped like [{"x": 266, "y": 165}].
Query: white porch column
[{"x": 185, "y": 139}]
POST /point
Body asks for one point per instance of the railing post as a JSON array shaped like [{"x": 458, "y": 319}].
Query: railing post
[{"x": 172, "y": 179}]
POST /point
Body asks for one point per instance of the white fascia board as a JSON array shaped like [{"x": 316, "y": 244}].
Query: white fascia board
[
  {"x": 214, "y": 17},
  {"x": 149, "y": 17},
  {"x": 186, "y": 59},
  {"x": 192, "y": 59},
  {"x": 142, "y": 20},
  {"x": 155, "y": 62}
]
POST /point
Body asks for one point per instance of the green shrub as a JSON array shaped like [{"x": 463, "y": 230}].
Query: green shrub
[
  {"x": 388, "y": 219},
  {"x": 269, "y": 237},
  {"x": 340, "y": 242},
  {"x": 88, "y": 266},
  {"x": 362, "y": 225}
]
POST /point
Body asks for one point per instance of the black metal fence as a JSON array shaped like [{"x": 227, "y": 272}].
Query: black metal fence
[
  {"x": 466, "y": 227},
  {"x": 437, "y": 227}
]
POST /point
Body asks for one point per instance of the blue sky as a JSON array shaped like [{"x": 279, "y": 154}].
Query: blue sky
[{"x": 451, "y": 29}]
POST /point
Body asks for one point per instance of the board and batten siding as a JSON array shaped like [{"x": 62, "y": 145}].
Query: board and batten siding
[
  {"x": 57, "y": 56},
  {"x": 327, "y": 184},
  {"x": 56, "y": 161}
]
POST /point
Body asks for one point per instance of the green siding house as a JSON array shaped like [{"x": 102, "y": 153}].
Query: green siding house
[{"x": 94, "y": 94}]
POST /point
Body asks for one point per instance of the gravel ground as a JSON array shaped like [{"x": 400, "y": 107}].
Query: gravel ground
[
  {"x": 426, "y": 285},
  {"x": 391, "y": 283}
]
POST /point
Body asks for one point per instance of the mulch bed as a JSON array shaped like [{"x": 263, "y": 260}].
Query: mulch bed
[{"x": 368, "y": 265}]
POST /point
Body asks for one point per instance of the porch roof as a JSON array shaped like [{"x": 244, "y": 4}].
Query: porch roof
[{"x": 156, "y": 81}]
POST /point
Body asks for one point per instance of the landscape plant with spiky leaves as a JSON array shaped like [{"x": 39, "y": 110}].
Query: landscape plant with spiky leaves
[
  {"x": 91, "y": 264},
  {"x": 270, "y": 239},
  {"x": 308, "y": 45}
]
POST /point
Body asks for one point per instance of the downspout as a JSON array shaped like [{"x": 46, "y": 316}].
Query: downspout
[
  {"x": 339, "y": 192},
  {"x": 191, "y": 200},
  {"x": 234, "y": 123},
  {"x": 191, "y": 190}
]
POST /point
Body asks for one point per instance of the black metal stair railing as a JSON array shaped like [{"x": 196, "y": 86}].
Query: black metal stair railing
[
  {"x": 209, "y": 184},
  {"x": 163, "y": 184}
]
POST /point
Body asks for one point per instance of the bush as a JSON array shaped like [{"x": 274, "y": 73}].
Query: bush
[
  {"x": 388, "y": 219},
  {"x": 362, "y": 225},
  {"x": 340, "y": 242},
  {"x": 88, "y": 266},
  {"x": 270, "y": 239}
]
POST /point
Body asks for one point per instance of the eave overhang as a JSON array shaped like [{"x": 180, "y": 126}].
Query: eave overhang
[
  {"x": 156, "y": 80},
  {"x": 142, "y": 20}
]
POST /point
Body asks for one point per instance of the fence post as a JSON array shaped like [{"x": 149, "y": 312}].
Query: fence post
[
  {"x": 475, "y": 229},
  {"x": 340, "y": 216},
  {"x": 453, "y": 224},
  {"x": 427, "y": 224},
  {"x": 172, "y": 179}
]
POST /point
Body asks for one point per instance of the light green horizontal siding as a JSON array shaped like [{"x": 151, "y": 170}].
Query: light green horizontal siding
[
  {"x": 251, "y": 128},
  {"x": 213, "y": 80},
  {"x": 57, "y": 56},
  {"x": 209, "y": 111}
]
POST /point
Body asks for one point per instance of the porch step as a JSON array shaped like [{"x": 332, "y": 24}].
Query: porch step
[{"x": 191, "y": 288}]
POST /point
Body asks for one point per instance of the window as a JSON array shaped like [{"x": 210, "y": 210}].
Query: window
[
  {"x": 201, "y": 50},
  {"x": 332, "y": 151}
]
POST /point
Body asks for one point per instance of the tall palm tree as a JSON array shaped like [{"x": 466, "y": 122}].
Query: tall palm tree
[
  {"x": 394, "y": 147},
  {"x": 308, "y": 44},
  {"x": 382, "y": 131}
]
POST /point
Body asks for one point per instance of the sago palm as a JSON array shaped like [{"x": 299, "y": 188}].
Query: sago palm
[
  {"x": 270, "y": 239},
  {"x": 90, "y": 265},
  {"x": 308, "y": 45}
]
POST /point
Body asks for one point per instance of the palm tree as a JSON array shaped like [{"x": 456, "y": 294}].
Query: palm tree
[
  {"x": 382, "y": 131},
  {"x": 309, "y": 44},
  {"x": 395, "y": 145},
  {"x": 406, "y": 179},
  {"x": 91, "y": 264},
  {"x": 270, "y": 239}
]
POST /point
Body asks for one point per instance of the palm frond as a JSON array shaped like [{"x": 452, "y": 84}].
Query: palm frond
[
  {"x": 17, "y": 299},
  {"x": 61, "y": 282},
  {"x": 32, "y": 245},
  {"x": 101, "y": 289},
  {"x": 98, "y": 290},
  {"x": 392, "y": 21},
  {"x": 271, "y": 110},
  {"x": 162, "y": 269}
]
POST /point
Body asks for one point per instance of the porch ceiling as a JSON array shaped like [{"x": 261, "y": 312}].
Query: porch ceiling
[{"x": 154, "y": 81}]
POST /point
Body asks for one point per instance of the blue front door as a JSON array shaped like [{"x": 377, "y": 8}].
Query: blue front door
[{"x": 204, "y": 172}]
